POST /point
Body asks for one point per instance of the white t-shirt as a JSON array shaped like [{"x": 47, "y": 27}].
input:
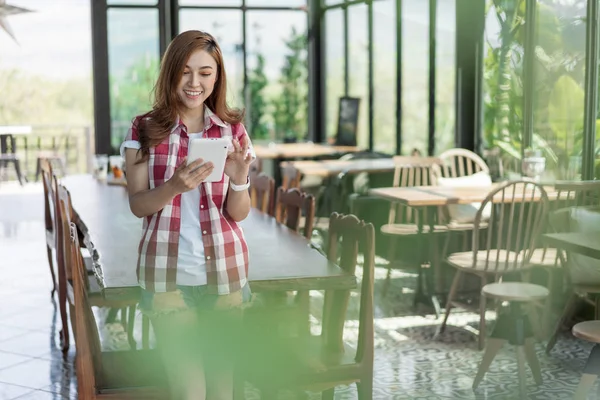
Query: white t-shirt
[{"x": 191, "y": 267}]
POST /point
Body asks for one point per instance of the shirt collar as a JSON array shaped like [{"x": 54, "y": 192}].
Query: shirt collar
[{"x": 209, "y": 118}]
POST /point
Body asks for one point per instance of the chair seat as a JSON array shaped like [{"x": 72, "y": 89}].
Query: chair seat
[
  {"x": 409, "y": 229},
  {"x": 486, "y": 260},
  {"x": 133, "y": 371},
  {"x": 545, "y": 258},
  {"x": 515, "y": 291},
  {"x": 588, "y": 330}
]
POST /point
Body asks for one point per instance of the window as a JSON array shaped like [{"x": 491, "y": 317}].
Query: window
[
  {"x": 133, "y": 65},
  {"x": 384, "y": 76},
  {"x": 334, "y": 60},
  {"x": 226, "y": 27},
  {"x": 224, "y": 3},
  {"x": 415, "y": 76},
  {"x": 279, "y": 38},
  {"x": 358, "y": 60},
  {"x": 275, "y": 3},
  {"x": 445, "y": 75}
]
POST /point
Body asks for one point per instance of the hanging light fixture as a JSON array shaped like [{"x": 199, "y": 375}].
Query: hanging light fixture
[{"x": 5, "y": 11}]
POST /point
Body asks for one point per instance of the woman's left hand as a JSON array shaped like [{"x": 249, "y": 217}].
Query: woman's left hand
[{"x": 238, "y": 162}]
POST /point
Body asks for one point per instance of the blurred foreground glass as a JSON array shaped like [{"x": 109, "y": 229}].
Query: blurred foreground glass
[
  {"x": 101, "y": 166},
  {"x": 116, "y": 166}
]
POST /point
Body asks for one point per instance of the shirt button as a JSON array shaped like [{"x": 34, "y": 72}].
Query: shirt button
[
  {"x": 208, "y": 257},
  {"x": 204, "y": 232},
  {"x": 201, "y": 205}
]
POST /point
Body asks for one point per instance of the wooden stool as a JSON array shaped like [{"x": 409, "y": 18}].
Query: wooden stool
[
  {"x": 513, "y": 327},
  {"x": 590, "y": 331}
]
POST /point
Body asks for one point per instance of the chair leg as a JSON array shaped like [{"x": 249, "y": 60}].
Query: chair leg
[
  {"x": 328, "y": 394},
  {"x": 130, "y": 323},
  {"x": 145, "y": 332},
  {"x": 62, "y": 304},
  {"x": 365, "y": 388},
  {"x": 584, "y": 387},
  {"x": 532, "y": 360},
  {"x": 51, "y": 263},
  {"x": 521, "y": 369},
  {"x": 566, "y": 315},
  {"x": 20, "y": 176},
  {"x": 451, "y": 294},
  {"x": 482, "y": 308},
  {"x": 391, "y": 256},
  {"x": 491, "y": 349},
  {"x": 38, "y": 169}
]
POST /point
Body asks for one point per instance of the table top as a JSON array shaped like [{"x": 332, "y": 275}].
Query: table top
[
  {"x": 324, "y": 168},
  {"x": 585, "y": 243},
  {"x": 425, "y": 196},
  {"x": 114, "y": 233},
  {"x": 299, "y": 150},
  {"x": 15, "y": 130}
]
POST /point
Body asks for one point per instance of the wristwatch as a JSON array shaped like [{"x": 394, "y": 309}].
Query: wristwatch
[{"x": 239, "y": 188}]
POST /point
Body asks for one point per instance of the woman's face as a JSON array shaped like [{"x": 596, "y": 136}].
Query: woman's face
[{"x": 198, "y": 80}]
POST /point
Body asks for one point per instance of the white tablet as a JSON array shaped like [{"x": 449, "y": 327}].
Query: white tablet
[{"x": 210, "y": 150}]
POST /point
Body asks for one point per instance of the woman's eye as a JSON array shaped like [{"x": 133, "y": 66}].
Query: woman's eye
[
  {"x": 186, "y": 72},
  {"x": 206, "y": 74}
]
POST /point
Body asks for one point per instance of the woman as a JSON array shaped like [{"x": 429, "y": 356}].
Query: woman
[{"x": 193, "y": 258}]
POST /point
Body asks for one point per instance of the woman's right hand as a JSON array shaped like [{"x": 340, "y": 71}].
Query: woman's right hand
[{"x": 188, "y": 177}]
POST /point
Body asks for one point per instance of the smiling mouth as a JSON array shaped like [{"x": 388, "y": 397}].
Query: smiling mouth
[{"x": 192, "y": 94}]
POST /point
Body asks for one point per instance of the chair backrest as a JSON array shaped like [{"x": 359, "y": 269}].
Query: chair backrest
[
  {"x": 49, "y": 182},
  {"x": 290, "y": 177},
  {"x": 577, "y": 194},
  {"x": 410, "y": 171},
  {"x": 460, "y": 162},
  {"x": 352, "y": 236},
  {"x": 88, "y": 361},
  {"x": 64, "y": 216},
  {"x": 517, "y": 215},
  {"x": 291, "y": 205},
  {"x": 262, "y": 192}
]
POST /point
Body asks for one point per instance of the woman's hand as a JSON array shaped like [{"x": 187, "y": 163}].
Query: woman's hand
[
  {"x": 188, "y": 177},
  {"x": 238, "y": 162}
]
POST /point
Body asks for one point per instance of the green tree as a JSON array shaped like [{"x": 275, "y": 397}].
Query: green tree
[
  {"x": 257, "y": 81},
  {"x": 290, "y": 108}
]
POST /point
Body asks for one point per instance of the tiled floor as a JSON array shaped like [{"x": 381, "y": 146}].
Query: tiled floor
[{"x": 409, "y": 362}]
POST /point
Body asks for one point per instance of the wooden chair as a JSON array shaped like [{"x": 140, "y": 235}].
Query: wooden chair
[
  {"x": 65, "y": 259},
  {"x": 110, "y": 375},
  {"x": 589, "y": 331},
  {"x": 320, "y": 363},
  {"x": 503, "y": 244},
  {"x": 586, "y": 291},
  {"x": 290, "y": 177},
  {"x": 461, "y": 162},
  {"x": 262, "y": 192},
  {"x": 49, "y": 195},
  {"x": 513, "y": 327},
  {"x": 8, "y": 155},
  {"x": 402, "y": 220}
]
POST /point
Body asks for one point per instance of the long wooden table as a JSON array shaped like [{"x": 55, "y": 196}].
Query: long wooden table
[
  {"x": 280, "y": 259},
  {"x": 299, "y": 150},
  {"x": 587, "y": 244},
  {"x": 327, "y": 168}
]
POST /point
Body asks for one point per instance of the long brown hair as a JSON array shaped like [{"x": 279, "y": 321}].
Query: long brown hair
[{"x": 156, "y": 125}]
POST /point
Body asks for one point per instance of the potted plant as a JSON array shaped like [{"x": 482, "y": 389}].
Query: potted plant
[{"x": 533, "y": 164}]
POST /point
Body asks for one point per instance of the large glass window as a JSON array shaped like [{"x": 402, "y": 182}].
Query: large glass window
[
  {"x": 280, "y": 108},
  {"x": 334, "y": 60},
  {"x": 384, "y": 95},
  {"x": 226, "y": 27},
  {"x": 415, "y": 76},
  {"x": 133, "y": 65},
  {"x": 132, "y": 2},
  {"x": 224, "y": 3},
  {"x": 559, "y": 86},
  {"x": 358, "y": 59},
  {"x": 445, "y": 75},
  {"x": 275, "y": 3}
]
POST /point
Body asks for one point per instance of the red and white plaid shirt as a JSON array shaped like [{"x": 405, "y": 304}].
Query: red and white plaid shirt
[{"x": 225, "y": 248}]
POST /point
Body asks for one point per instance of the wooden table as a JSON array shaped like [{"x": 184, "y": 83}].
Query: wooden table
[
  {"x": 328, "y": 168},
  {"x": 299, "y": 150},
  {"x": 280, "y": 259},
  {"x": 587, "y": 244}
]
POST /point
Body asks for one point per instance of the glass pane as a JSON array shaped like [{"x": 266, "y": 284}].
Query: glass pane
[
  {"x": 333, "y": 2},
  {"x": 559, "y": 86},
  {"x": 226, "y": 27},
  {"x": 359, "y": 68},
  {"x": 334, "y": 60},
  {"x": 502, "y": 82},
  {"x": 132, "y": 2},
  {"x": 445, "y": 75},
  {"x": 275, "y": 3},
  {"x": 227, "y": 3},
  {"x": 133, "y": 65},
  {"x": 415, "y": 76},
  {"x": 277, "y": 89},
  {"x": 384, "y": 63}
]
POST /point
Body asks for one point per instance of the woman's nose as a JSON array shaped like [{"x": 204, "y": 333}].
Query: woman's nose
[{"x": 195, "y": 80}]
